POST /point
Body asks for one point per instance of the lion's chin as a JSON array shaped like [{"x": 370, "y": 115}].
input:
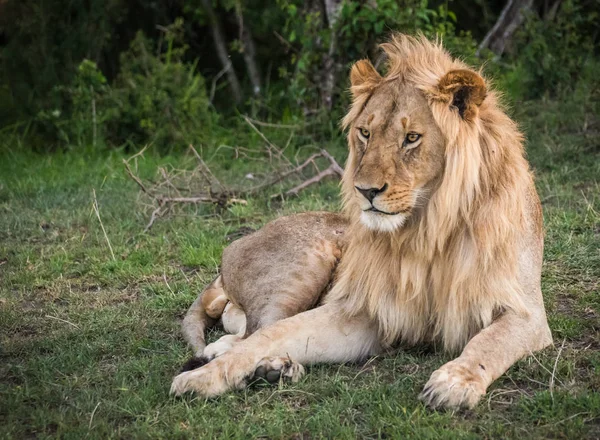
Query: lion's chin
[{"x": 382, "y": 222}]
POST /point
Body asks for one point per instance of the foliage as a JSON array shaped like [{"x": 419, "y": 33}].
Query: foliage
[
  {"x": 160, "y": 98},
  {"x": 157, "y": 98},
  {"x": 44, "y": 43},
  {"x": 554, "y": 51},
  {"x": 112, "y": 73},
  {"x": 78, "y": 116},
  {"x": 357, "y": 32}
]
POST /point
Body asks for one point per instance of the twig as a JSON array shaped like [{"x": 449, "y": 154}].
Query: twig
[
  {"x": 532, "y": 355},
  {"x": 282, "y": 176},
  {"x": 285, "y": 42},
  {"x": 333, "y": 169},
  {"x": 155, "y": 214},
  {"x": 554, "y": 369},
  {"x": 62, "y": 320},
  {"x": 139, "y": 153},
  {"x": 271, "y": 125},
  {"x": 272, "y": 146},
  {"x": 167, "y": 283},
  {"x": 336, "y": 166},
  {"x": 365, "y": 366},
  {"x": 135, "y": 178},
  {"x": 285, "y": 391},
  {"x": 565, "y": 420},
  {"x": 176, "y": 187},
  {"x": 184, "y": 275},
  {"x": 97, "y": 211},
  {"x": 327, "y": 172},
  {"x": 205, "y": 170},
  {"x": 163, "y": 172},
  {"x": 199, "y": 199},
  {"x": 500, "y": 392}
]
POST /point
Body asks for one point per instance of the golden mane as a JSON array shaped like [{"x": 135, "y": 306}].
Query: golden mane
[{"x": 453, "y": 267}]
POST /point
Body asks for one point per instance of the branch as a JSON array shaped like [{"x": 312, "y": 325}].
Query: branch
[
  {"x": 205, "y": 170},
  {"x": 336, "y": 167},
  {"x": 331, "y": 171},
  {"x": 278, "y": 152},
  {"x": 200, "y": 186},
  {"x": 281, "y": 177}
]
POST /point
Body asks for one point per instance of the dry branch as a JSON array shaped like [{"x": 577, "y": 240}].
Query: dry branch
[
  {"x": 295, "y": 190},
  {"x": 174, "y": 188}
]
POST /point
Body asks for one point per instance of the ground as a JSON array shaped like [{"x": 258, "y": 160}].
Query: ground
[{"x": 89, "y": 343}]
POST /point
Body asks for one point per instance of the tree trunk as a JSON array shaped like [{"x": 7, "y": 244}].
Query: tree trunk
[
  {"x": 221, "y": 47},
  {"x": 248, "y": 50},
  {"x": 550, "y": 13},
  {"x": 509, "y": 20},
  {"x": 332, "y": 10}
]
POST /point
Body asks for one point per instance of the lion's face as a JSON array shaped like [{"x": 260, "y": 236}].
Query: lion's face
[{"x": 398, "y": 154}]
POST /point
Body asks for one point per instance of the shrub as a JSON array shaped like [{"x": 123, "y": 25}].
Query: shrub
[
  {"x": 156, "y": 99},
  {"x": 357, "y": 32},
  {"x": 551, "y": 53}
]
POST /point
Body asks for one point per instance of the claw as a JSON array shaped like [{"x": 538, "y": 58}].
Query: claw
[{"x": 453, "y": 386}]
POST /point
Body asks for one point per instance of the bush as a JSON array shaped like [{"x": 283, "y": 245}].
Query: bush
[
  {"x": 160, "y": 98},
  {"x": 156, "y": 99},
  {"x": 358, "y": 30},
  {"x": 551, "y": 53}
]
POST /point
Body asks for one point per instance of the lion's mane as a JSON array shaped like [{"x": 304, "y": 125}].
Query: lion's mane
[{"x": 454, "y": 266}]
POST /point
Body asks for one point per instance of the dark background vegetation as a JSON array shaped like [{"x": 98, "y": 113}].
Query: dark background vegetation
[
  {"x": 117, "y": 73},
  {"x": 91, "y": 297}
]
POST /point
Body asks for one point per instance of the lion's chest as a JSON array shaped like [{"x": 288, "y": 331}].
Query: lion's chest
[{"x": 415, "y": 300}]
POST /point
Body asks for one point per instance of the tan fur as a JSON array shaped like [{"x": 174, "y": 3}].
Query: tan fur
[
  {"x": 277, "y": 272},
  {"x": 445, "y": 238},
  {"x": 214, "y": 299},
  {"x": 459, "y": 257}
]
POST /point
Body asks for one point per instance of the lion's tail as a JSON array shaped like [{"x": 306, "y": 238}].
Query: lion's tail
[{"x": 203, "y": 314}]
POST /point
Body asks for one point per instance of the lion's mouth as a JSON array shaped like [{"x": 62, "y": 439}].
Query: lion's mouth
[{"x": 373, "y": 209}]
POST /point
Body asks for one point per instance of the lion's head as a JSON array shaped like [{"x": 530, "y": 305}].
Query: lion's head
[
  {"x": 397, "y": 146},
  {"x": 439, "y": 192}
]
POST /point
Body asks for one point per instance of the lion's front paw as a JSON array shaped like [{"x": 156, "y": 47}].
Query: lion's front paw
[
  {"x": 223, "y": 374},
  {"x": 455, "y": 385},
  {"x": 273, "y": 369}
]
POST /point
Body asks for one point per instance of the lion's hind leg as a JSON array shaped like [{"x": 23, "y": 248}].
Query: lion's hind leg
[
  {"x": 204, "y": 313},
  {"x": 212, "y": 306}
]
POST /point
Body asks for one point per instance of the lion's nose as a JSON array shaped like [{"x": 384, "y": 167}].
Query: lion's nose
[{"x": 371, "y": 193}]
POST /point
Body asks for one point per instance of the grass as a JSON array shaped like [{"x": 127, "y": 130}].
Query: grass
[{"x": 89, "y": 344}]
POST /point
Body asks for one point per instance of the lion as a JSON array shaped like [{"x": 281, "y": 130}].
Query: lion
[{"x": 443, "y": 243}]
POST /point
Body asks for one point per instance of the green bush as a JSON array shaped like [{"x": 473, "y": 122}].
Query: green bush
[
  {"x": 160, "y": 98},
  {"x": 80, "y": 110},
  {"x": 157, "y": 99},
  {"x": 360, "y": 27},
  {"x": 550, "y": 54}
]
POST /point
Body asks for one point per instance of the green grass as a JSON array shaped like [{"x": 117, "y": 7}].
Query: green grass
[{"x": 89, "y": 344}]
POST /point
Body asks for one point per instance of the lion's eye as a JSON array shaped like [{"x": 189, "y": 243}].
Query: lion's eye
[
  {"x": 411, "y": 138},
  {"x": 364, "y": 133}
]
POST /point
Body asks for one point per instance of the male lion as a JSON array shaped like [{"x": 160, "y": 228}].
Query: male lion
[{"x": 444, "y": 241}]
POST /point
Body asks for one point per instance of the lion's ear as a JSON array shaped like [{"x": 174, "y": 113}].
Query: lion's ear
[
  {"x": 363, "y": 76},
  {"x": 465, "y": 90}
]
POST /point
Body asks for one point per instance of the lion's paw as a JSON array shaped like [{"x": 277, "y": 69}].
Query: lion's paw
[
  {"x": 273, "y": 369},
  {"x": 223, "y": 374},
  {"x": 454, "y": 386}
]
